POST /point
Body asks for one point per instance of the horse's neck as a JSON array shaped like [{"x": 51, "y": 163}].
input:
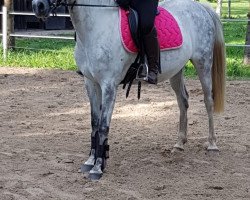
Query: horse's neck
[
  {"x": 84, "y": 10},
  {"x": 89, "y": 20}
]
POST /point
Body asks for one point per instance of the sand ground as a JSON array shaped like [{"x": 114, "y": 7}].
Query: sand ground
[{"x": 45, "y": 136}]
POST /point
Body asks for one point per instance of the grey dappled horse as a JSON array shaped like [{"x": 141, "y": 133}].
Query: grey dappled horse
[{"x": 104, "y": 62}]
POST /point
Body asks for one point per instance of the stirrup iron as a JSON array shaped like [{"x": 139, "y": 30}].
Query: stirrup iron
[{"x": 143, "y": 67}]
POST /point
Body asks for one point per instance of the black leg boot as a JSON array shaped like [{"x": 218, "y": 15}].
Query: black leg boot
[{"x": 152, "y": 51}]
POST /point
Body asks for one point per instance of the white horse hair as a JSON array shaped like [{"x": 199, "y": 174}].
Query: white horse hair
[{"x": 103, "y": 61}]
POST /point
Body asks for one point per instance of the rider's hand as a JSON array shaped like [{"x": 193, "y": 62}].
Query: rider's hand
[{"x": 123, "y": 3}]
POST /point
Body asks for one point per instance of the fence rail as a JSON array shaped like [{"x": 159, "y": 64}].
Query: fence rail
[
  {"x": 42, "y": 36},
  {"x": 5, "y": 33}
]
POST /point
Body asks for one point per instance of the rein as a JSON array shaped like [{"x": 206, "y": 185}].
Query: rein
[{"x": 59, "y": 3}]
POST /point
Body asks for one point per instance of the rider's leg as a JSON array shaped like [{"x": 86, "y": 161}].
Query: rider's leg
[
  {"x": 152, "y": 51},
  {"x": 147, "y": 10}
]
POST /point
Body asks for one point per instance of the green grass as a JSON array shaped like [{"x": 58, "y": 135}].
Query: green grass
[
  {"x": 41, "y": 53},
  {"x": 239, "y": 8},
  {"x": 234, "y": 33},
  {"x": 48, "y": 53}
]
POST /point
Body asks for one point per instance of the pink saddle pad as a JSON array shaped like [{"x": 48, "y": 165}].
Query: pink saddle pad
[{"x": 169, "y": 33}]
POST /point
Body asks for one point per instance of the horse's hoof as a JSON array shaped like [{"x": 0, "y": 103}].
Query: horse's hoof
[
  {"x": 95, "y": 176},
  {"x": 213, "y": 153},
  {"x": 86, "y": 168},
  {"x": 178, "y": 147},
  {"x": 177, "y": 150},
  {"x": 213, "y": 149}
]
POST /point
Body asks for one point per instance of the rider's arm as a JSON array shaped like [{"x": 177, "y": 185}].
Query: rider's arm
[{"x": 123, "y": 3}]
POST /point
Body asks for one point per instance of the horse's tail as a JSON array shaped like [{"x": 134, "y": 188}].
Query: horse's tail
[{"x": 219, "y": 63}]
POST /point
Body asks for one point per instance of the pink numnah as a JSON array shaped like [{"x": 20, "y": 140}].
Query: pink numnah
[{"x": 169, "y": 33}]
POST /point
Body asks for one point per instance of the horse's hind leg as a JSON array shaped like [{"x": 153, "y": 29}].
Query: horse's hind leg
[
  {"x": 203, "y": 67},
  {"x": 94, "y": 94},
  {"x": 177, "y": 83}
]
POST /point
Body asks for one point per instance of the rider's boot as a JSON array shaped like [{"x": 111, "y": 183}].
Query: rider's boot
[{"x": 152, "y": 50}]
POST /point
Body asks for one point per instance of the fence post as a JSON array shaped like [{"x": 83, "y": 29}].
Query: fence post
[
  {"x": 247, "y": 48},
  {"x": 229, "y": 9},
  {"x": 5, "y": 32}
]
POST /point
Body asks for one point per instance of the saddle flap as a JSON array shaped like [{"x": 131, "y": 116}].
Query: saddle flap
[{"x": 133, "y": 20}]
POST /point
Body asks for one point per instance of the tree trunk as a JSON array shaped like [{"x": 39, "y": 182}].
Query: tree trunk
[
  {"x": 247, "y": 49},
  {"x": 11, "y": 40},
  {"x": 219, "y": 7}
]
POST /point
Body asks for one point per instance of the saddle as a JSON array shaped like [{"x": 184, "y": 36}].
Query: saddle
[
  {"x": 168, "y": 30},
  {"x": 169, "y": 36},
  {"x": 133, "y": 20}
]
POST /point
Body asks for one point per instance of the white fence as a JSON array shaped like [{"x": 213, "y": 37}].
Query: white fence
[{"x": 5, "y": 35}]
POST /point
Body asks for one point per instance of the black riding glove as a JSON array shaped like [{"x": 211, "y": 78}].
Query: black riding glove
[{"x": 123, "y": 3}]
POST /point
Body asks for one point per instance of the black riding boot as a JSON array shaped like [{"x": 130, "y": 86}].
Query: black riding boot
[{"x": 152, "y": 50}]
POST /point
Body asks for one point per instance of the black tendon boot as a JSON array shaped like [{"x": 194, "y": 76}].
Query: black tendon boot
[{"x": 152, "y": 51}]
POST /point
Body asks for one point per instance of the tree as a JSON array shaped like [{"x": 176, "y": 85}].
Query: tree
[
  {"x": 247, "y": 49},
  {"x": 10, "y": 22},
  {"x": 219, "y": 7}
]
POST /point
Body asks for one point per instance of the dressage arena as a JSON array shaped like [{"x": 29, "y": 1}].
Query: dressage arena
[{"x": 45, "y": 135}]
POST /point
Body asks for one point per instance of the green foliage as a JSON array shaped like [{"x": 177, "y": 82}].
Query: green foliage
[
  {"x": 189, "y": 70},
  {"x": 212, "y": 1}
]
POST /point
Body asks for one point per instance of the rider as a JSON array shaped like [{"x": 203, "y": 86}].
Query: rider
[{"x": 147, "y": 10}]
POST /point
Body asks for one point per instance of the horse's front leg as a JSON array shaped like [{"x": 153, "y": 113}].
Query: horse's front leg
[
  {"x": 95, "y": 95},
  {"x": 108, "y": 101}
]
